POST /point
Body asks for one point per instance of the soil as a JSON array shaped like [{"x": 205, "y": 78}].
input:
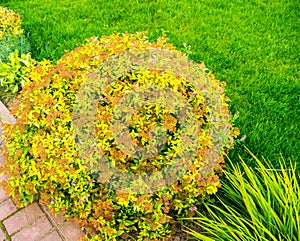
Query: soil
[
  {"x": 180, "y": 235},
  {"x": 183, "y": 236}
]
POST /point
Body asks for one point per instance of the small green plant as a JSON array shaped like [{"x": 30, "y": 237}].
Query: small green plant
[
  {"x": 15, "y": 59},
  {"x": 255, "y": 204},
  {"x": 13, "y": 74},
  {"x": 10, "y": 23},
  {"x": 9, "y": 44}
]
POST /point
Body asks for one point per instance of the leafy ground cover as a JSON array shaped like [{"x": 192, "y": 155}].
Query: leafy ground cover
[{"x": 252, "y": 45}]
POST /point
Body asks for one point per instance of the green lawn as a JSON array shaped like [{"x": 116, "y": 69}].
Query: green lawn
[{"x": 252, "y": 45}]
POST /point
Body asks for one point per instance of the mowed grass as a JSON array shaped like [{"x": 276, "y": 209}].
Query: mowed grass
[{"x": 252, "y": 45}]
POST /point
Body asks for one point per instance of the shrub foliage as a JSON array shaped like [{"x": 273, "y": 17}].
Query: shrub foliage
[
  {"x": 10, "y": 23},
  {"x": 44, "y": 165}
]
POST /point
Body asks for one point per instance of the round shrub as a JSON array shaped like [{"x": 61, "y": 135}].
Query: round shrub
[
  {"x": 10, "y": 23},
  {"x": 44, "y": 160}
]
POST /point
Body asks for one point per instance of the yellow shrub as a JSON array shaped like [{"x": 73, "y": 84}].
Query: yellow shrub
[
  {"x": 44, "y": 164},
  {"x": 10, "y": 23}
]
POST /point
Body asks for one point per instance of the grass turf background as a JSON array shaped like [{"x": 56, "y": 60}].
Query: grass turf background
[{"x": 252, "y": 45}]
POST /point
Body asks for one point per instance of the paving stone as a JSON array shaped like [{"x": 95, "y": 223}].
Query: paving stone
[
  {"x": 3, "y": 177},
  {"x": 70, "y": 231},
  {"x": 4, "y": 114},
  {"x": 7, "y": 208},
  {"x": 53, "y": 236},
  {"x": 2, "y": 195},
  {"x": 33, "y": 232},
  {"x": 2, "y": 235},
  {"x": 22, "y": 218},
  {"x": 58, "y": 219}
]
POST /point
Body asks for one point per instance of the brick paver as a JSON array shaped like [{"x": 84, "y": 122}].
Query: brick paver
[
  {"x": 2, "y": 195},
  {"x": 69, "y": 230},
  {"x": 33, "y": 232},
  {"x": 22, "y": 218},
  {"x": 3, "y": 177},
  {"x": 7, "y": 208},
  {"x": 53, "y": 236},
  {"x": 4, "y": 114},
  {"x": 58, "y": 219}
]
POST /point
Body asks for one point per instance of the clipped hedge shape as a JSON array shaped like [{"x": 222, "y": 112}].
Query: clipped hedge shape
[
  {"x": 10, "y": 23},
  {"x": 44, "y": 160}
]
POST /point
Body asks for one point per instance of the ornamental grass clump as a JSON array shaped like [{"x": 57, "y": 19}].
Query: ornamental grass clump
[
  {"x": 43, "y": 151},
  {"x": 255, "y": 203}
]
